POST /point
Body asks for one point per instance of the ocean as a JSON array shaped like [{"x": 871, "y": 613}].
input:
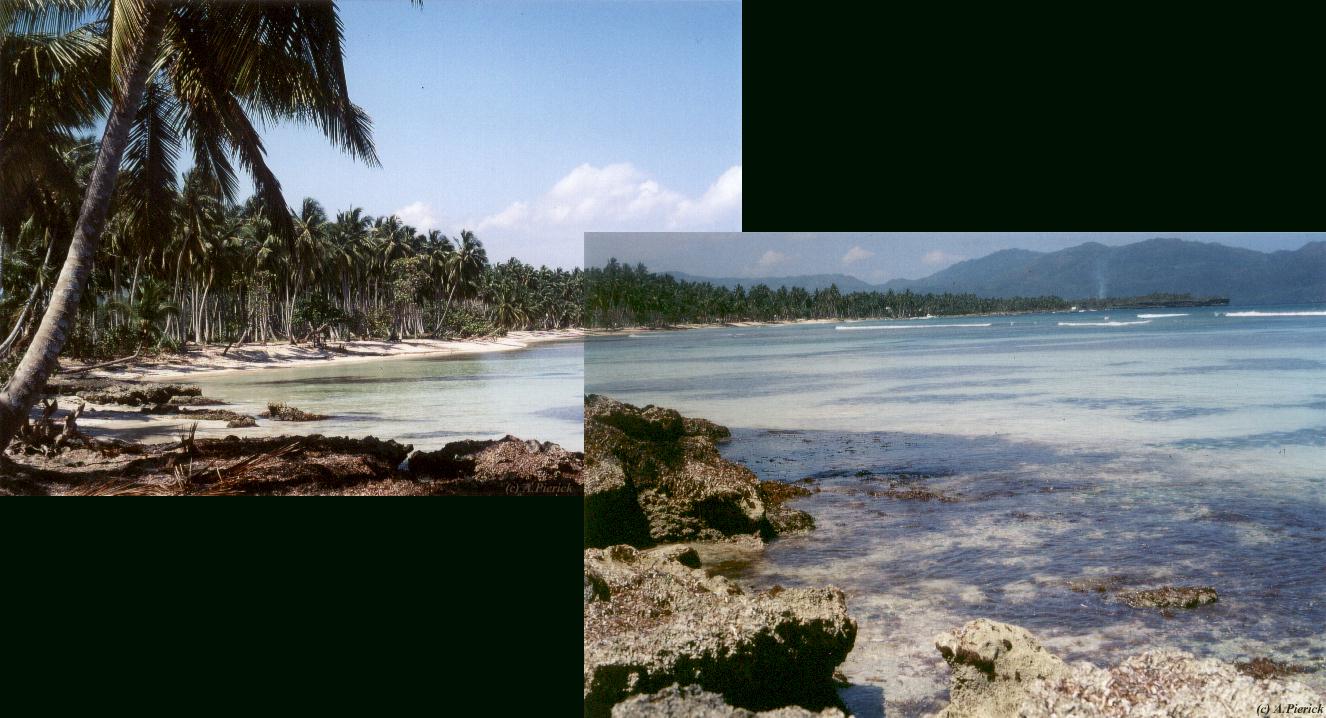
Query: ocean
[
  {"x": 533, "y": 393},
  {"x": 1073, "y": 451}
]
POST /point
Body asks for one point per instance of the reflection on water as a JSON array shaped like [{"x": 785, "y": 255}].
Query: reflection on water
[
  {"x": 426, "y": 401},
  {"x": 1189, "y": 450}
]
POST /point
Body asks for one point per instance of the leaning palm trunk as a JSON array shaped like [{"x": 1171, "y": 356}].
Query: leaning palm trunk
[{"x": 39, "y": 360}]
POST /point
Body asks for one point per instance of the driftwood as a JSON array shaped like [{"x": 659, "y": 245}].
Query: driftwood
[
  {"x": 106, "y": 364},
  {"x": 316, "y": 335},
  {"x": 45, "y": 436},
  {"x": 248, "y": 327}
]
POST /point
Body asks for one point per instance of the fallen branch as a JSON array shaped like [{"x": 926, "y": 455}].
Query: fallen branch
[{"x": 106, "y": 364}]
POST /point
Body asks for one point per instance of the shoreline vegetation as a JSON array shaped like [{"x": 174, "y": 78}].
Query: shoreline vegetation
[
  {"x": 624, "y": 298},
  {"x": 109, "y": 254},
  {"x": 664, "y": 635}
]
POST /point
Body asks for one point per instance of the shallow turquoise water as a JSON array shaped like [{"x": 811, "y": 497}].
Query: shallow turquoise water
[
  {"x": 1162, "y": 449},
  {"x": 533, "y": 393}
]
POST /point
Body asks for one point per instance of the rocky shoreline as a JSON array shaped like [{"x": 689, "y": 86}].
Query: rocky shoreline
[
  {"x": 52, "y": 456},
  {"x": 664, "y": 637}
]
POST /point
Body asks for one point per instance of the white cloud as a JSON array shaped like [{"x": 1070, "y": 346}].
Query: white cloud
[
  {"x": 937, "y": 257},
  {"x": 857, "y": 254},
  {"x": 419, "y": 215},
  {"x": 770, "y": 260},
  {"x": 613, "y": 198}
]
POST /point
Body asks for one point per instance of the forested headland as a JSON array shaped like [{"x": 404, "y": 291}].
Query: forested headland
[{"x": 620, "y": 295}]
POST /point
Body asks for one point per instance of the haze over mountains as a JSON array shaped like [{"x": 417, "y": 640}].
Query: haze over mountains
[{"x": 1094, "y": 270}]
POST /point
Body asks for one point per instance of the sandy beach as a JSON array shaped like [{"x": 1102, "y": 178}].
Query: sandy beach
[{"x": 201, "y": 361}]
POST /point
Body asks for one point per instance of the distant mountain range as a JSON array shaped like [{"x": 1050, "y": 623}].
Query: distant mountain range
[
  {"x": 808, "y": 282},
  {"x": 1094, "y": 270}
]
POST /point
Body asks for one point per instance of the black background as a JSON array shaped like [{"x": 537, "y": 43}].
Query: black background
[{"x": 950, "y": 119}]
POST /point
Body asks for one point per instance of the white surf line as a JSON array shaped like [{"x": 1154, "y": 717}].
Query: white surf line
[
  {"x": 1275, "y": 314},
  {"x": 1102, "y": 324},
  {"x": 1159, "y": 316},
  {"x": 905, "y": 326}
]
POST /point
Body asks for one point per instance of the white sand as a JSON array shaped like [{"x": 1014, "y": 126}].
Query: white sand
[{"x": 247, "y": 357}]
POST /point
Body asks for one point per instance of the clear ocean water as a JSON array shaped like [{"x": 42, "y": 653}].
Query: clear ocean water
[
  {"x": 533, "y": 393},
  {"x": 1147, "y": 447}
]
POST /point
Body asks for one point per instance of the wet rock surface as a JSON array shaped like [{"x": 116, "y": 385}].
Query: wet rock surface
[
  {"x": 784, "y": 520},
  {"x": 1262, "y": 667},
  {"x": 653, "y": 620},
  {"x": 1170, "y": 597},
  {"x": 693, "y": 702},
  {"x": 654, "y": 476},
  {"x": 1002, "y": 670}
]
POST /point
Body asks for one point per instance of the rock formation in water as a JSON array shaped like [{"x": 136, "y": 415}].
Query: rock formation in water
[
  {"x": 1170, "y": 597},
  {"x": 652, "y": 619},
  {"x": 505, "y": 459},
  {"x": 1001, "y": 670},
  {"x": 694, "y": 702},
  {"x": 112, "y": 391},
  {"x": 654, "y": 476}
]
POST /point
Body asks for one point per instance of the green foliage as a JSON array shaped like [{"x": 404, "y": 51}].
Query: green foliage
[
  {"x": 464, "y": 322},
  {"x": 315, "y": 310},
  {"x": 374, "y": 322},
  {"x": 621, "y": 295}
]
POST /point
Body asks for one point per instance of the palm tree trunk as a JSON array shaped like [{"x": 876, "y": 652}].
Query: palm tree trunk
[{"x": 39, "y": 360}]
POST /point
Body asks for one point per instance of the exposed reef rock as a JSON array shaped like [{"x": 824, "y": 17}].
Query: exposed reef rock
[
  {"x": 1001, "y": 670},
  {"x": 1170, "y": 597},
  {"x": 652, "y": 620},
  {"x": 784, "y": 520},
  {"x": 654, "y": 476},
  {"x": 278, "y": 411},
  {"x": 991, "y": 664},
  {"x": 291, "y": 465},
  {"x": 112, "y": 391},
  {"x": 693, "y": 702},
  {"x": 508, "y": 459}
]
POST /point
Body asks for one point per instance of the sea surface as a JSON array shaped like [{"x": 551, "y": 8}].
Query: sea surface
[
  {"x": 534, "y": 393},
  {"x": 1123, "y": 449}
]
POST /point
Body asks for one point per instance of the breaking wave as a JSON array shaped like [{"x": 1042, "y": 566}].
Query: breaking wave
[
  {"x": 1275, "y": 314},
  {"x": 1102, "y": 324},
  {"x": 1159, "y": 316}
]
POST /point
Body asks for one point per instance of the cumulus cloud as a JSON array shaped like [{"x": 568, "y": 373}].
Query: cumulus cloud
[
  {"x": 857, "y": 254},
  {"x": 771, "y": 259},
  {"x": 937, "y": 258},
  {"x": 620, "y": 197},
  {"x": 419, "y": 215}
]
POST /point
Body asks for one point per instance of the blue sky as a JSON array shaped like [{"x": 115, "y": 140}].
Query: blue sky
[
  {"x": 533, "y": 122},
  {"x": 871, "y": 256}
]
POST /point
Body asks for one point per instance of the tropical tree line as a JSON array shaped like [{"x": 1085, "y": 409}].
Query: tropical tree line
[
  {"x": 212, "y": 271},
  {"x": 104, "y": 244},
  {"x": 180, "y": 259},
  {"x": 619, "y": 295}
]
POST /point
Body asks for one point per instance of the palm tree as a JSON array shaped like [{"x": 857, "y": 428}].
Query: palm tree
[
  {"x": 150, "y": 309},
  {"x": 210, "y": 64},
  {"x": 467, "y": 264}
]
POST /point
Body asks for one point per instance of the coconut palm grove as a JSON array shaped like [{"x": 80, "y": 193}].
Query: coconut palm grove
[{"x": 124, "y": 129}]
